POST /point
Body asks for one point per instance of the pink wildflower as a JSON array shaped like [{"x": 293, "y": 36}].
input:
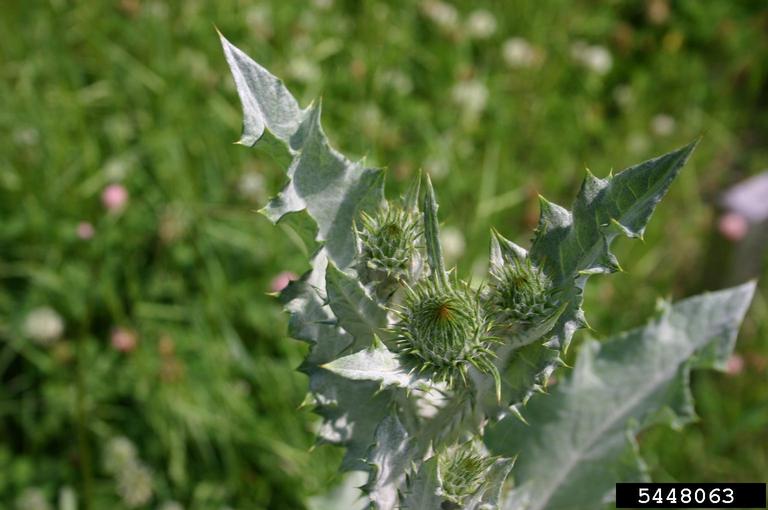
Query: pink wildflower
[
  {"x": 114, "y": 197},
  {"x": 85, "y": 230},
  {"x": 282, "y": 280},
  {"x": 124, "y": 340},
  {"x": 735, "y": 365},
  {"x": 733, "y": 226}
]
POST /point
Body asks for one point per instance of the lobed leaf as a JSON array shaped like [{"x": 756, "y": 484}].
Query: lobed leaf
[
  {"x": 356, "y": 310},
  {"x": 331, "y": 188},
  {"x": 421, "y": 489},
  {"x": 577, "y": 445},
  {"x": 572, "y": 245},
  {"x": 569, "y": 244},
  {"x": 390, "y": 456},
  {"x": 376, "y": 363}
]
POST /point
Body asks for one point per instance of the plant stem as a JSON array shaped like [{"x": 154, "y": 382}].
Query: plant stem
[{"x": 84, "y": 451}]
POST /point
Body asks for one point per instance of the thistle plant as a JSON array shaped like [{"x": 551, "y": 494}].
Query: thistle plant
[{"x": 432, "y": 384}]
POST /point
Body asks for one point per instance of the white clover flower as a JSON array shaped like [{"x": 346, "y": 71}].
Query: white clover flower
[
  {"x": 481, "y": 24},
  {"x": 663, "y": 124},
  {"x": 259, "y": 18},
  {"x": 171, "y": 505},
  {"x": 117, "y": 168},
  {"x": 32, "y": 498},
  {"x": 251, "y": 186},
  {"x": 67, "y": 498},
  {"x": 517, "y": 52},
  {"x": 157, "y": 10},
  {"x": 637, "y": 143},
  {"x": 303, "y": 69},
  {"x": 442, "y": 14},
  {"x": 43, "y": 325},
  {"x": 436, "y": 168},
  {"x": 398, "y": 81},
  {"x": 624, "y": 96},
  {"x": 371, "y": 119},
  {"x": 119, "y": 453},
  {"x": 135, "y": 485},
  {"x": 597, "y": 59},
  {"x": 453, "y": 243},
  {"x": 471, "y": 96},
  {"x": 26, "y": 136}
]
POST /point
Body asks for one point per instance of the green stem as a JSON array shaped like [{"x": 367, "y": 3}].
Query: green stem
[{"x": 84, "y": 451}]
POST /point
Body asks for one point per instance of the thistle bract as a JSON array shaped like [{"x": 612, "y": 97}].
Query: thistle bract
[
  {"x": 519, "y": 294},
  {"x": 442, "y": 324},
  {"x": 389, "y": 240},
  {"x": 462, "y": 471}
]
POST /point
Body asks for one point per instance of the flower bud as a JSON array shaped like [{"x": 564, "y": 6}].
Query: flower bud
[
  {"x": 462, "y": 470},
  {"x": 389, "y": 241},
  {"x": 444, "y": 327},
  {"x": 520, "y": 294}
]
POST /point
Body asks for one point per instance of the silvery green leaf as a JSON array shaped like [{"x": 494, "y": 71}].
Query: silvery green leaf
[
  {"x": 390, "y": 456},
  {"x": 524, "y": 365},
  {"x": 376, "y": 363},
  {"x": 302, "y": 230},
  {"x": 421, "y": 489},
  {"x": 576, "y": 446},
  {"x": 411, "y": 198},
  {"x": 267, "y": 104},
  {"x": 572, "y": 245},
  {"x": 330, "y": 187},
  {"x": 332, "y": 190},
  {"x": 489, "y": 495},
  {"x": 311, "y": 319},
  {"x": 351, "y": 411},
  {"x": 432, "y": 232},
  {"x": 503, "y": 250},
  {"x": 346, "y": 495},
  {"x": 356, "y": 310}
]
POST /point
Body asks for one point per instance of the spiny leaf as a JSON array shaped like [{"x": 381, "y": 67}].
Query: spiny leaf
[
  {"x": 267, "y": 104},
  {"x": 330, "y": 187},
  {"x": 332, "y": 190},
  {"x": 576, "y": 443},
  {"x": 503, "y": 250},
  {"x": 390, "y": 457},
  {"x": 376, "y": 363},
  {"x": 351, "y": 411},
  {"x": 571, "y": 243},
  {"x": 311, "y": 319},
  {"x": 490, "y": 494},
  {"x": 421, "y": 490},
  {"x": 357, "y": 312},
  {"x": 432, "y": 233}
]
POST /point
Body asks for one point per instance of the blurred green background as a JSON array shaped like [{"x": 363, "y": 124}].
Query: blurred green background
[{"x": 143, "y": 363}]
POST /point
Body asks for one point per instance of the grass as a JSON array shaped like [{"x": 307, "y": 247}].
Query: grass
[{"x": 138, "y": 93}]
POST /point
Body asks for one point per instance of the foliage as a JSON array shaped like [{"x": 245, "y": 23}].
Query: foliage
[
  {"x": 136, "y": 93},
  {"x": 406, "y": 376}
]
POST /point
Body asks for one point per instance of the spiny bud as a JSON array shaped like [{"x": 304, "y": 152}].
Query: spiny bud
[
  {"x": 389, "y": 240},
  {"x": 520, "y": 294},
  {"x": 443, "y": 325},
  {"x": 462, "y": 470}
]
